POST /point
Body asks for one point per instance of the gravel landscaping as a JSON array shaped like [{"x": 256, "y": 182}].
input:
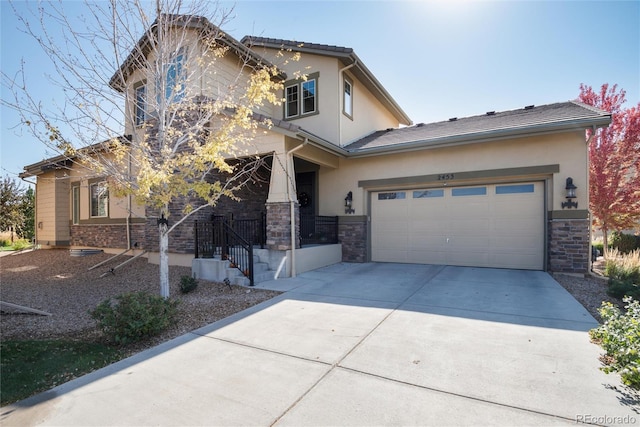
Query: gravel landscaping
[{"x": 55, "y": 282}]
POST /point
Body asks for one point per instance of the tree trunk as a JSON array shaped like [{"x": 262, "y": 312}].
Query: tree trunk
[
  {"x": 605, "y": 243},
  {"x": 164, "y": 261}
]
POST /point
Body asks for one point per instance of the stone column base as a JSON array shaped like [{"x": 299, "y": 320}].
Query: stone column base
[
  {"x": 569, "y": 245},
  {"x": 279, "y": 225},
  {"x": 352, "y": 233}
]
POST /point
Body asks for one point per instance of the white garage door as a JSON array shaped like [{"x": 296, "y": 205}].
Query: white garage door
[{"x": 499, "y": 225}]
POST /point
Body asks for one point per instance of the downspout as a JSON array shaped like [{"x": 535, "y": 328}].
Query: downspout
[
  {"x": 341, "y": 98},
  {"x": 292, "y": 209}
]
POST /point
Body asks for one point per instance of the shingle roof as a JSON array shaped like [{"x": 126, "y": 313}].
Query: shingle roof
[
  {"x": 520, "y": 122},
  {"x": 296, "y": 45}
]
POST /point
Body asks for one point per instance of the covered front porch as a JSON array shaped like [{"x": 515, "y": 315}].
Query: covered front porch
[{"x": 274, "y": 230}]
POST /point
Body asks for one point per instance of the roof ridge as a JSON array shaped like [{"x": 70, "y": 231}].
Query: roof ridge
[{"x": 589, "y": 107}]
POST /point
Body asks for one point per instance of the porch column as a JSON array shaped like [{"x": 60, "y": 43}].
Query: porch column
[{"x": 280, "y": 203}]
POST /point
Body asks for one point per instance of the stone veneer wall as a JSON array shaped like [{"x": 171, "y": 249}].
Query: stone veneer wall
[
  {"x": 352, "y": 233},
  {"x": 182, "y": 238},
  {"x": 279, "y": 225},
  {"x": 107, "y": 235},
  {"x": 569, "y": 246}
]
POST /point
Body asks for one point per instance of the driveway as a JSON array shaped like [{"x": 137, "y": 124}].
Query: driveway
[{"x": 364, "y": 344}]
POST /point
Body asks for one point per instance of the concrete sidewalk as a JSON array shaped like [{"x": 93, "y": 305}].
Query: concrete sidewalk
[{"x": 364, "y": 344}]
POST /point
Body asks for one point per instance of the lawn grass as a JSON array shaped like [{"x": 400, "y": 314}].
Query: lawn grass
[{"x": 29, "y": 367}]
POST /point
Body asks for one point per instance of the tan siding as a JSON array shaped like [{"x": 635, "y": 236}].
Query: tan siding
[
  {"x": 62, "y": 211},
  {"x": 45, "y": 207}
]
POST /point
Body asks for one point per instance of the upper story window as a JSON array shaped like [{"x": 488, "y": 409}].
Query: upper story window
[
  {"x": 301, "y": 97},
  {"x": 347, "y": 99},
  {"x": 174, "y": 77},
  {"x": 141, "y": 103},
  {"x": 99, "y": 199}
]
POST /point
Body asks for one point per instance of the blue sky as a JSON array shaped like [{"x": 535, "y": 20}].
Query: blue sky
[{"x": 438, "y": 59}]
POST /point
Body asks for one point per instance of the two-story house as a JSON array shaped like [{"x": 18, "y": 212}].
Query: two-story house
[{"x": 500, "y": 189}]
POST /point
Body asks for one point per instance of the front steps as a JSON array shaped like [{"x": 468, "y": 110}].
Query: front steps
[{"x": 216, "y": 270}]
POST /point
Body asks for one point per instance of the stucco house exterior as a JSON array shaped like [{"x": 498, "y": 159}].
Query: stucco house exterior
[{"x": 490, "y": 190}]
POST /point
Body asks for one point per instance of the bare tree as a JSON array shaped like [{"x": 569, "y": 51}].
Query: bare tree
[{"x": 187, "y": 96}]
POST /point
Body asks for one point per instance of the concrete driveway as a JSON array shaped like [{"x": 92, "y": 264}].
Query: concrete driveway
[{"x": 364, "y": 344}]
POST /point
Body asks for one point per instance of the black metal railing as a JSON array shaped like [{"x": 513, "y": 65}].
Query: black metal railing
[
  {"x": 238, "y": 251},
  {"x": 230, "y": 239},
  {"x": 318, "y": 230}
]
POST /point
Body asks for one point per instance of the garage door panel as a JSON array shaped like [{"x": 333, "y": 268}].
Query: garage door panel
[
  {"x": 467, "y": 243},
  {"x": 499, "y": 225},
  {"x": 526, "y": 261},
  {"x": 390, "y": 255},
  {"x": 427, "y": 257},
  {"x": 476, "y": 258},
  {"x": 469, "y": 226},
  {"x": 427, "y": 242},
  {"x": 430, "y": 226}
]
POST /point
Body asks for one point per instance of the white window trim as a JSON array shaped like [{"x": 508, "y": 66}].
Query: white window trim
[
  {"x": 75, "y": 204},
  {"x": 106, "y": 200},
  {"x": 347, "y": 81},
  {"x": 139, "y": 120}
]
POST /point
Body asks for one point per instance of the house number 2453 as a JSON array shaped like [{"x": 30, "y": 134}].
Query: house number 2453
[{"x": 445, "y": 176}]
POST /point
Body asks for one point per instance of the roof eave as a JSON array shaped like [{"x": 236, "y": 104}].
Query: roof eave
[
  {"x": 40, "y": 167},
  {"x": 479, "y": 137}
]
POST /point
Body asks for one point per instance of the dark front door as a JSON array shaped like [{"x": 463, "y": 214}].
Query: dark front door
[{"x": 306, "y": 186}]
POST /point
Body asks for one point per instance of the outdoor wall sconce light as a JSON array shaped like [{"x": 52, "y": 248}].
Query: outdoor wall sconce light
[
  {"x": 571, "y": 194},
  {"x": 163, "y": 221},
  {"x": 348, "y": 202}
]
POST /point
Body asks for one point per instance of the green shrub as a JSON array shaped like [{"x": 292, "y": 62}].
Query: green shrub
[
  {"x": 5, "y": 242},
  {"x": 620, "y": 289},
  {"x": 619, "y": 336},
  {"x": 134, "y": 316},
  {"x": 625, "y": 243},
  {"x": 187, "y": 284},
  {"x": 21, "y": 244},
  {"x": 623, "y": 271}
]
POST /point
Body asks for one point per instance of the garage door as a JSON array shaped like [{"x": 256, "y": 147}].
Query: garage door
[{"x": 499, "y": 225}]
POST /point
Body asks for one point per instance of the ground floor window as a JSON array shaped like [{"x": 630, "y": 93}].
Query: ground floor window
[
  {"x": 99, "y": 199},
  {"x": 75, "y": 204}
]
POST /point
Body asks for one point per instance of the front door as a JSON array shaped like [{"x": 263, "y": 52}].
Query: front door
[{"x": 306, "y": 188}]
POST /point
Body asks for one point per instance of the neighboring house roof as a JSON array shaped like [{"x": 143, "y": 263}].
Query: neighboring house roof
[
  {"x": 143, "y": 47},
  {"x": 64, "y": 161},
  {"x": 527, "y": 121},
  {"x": 344, "y": 54}
]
